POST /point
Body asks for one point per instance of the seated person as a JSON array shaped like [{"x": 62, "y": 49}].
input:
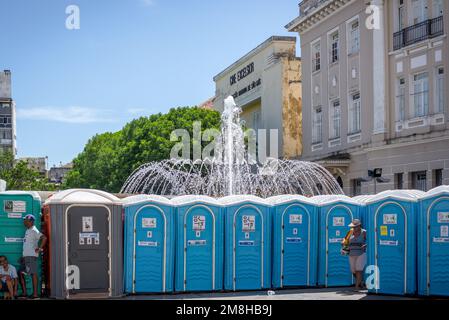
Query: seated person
[{"x": 8, "y": 279}]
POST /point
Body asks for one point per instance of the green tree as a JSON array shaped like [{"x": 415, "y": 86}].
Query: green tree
[
  {"x": 109, "y": 158},
  {"x": 19, "y": 177}
]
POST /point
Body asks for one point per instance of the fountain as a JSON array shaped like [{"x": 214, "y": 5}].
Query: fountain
[{"x": 231, "y": 170}]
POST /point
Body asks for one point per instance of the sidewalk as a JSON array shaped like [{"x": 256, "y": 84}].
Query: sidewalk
[{"x": 294, "y": 294}]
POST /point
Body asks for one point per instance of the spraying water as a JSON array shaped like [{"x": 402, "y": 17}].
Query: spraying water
[{"x": 231, "y": 170}]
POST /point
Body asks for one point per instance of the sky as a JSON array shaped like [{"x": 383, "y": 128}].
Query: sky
[{"x": 129, "y": 58}]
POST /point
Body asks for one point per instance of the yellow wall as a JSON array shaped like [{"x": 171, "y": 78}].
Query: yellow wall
[
  {"x": 248, "y": 111},
  {"x": 292, "y": 108}
]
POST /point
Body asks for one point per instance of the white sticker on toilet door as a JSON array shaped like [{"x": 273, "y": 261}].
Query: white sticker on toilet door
[
  {"x": 249, "y": 223},
  {"x": 88, "y": 224},
  {"x": 149, "y": 223},
  {"x": 444, "y": 232}
]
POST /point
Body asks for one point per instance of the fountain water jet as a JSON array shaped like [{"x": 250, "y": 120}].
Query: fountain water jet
[{"x": 230, "y": 172}]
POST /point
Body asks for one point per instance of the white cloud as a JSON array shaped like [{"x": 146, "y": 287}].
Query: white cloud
[
  {"x": 148, "y": 3},
  {"x": 80, "y": 115},
  {"x": 136, "y": 111}
]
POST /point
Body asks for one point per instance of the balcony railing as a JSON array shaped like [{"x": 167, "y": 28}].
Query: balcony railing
[
  {"x": 422, "y": 31},
  {"x": 306, "y": 6}
]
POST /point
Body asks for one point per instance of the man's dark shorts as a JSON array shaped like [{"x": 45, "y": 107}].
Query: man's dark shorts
[{"x": 29, "y": 265}]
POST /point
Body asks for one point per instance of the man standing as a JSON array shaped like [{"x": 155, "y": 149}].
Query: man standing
[
  {"x": 8, "y": 279},
  {"x": 31, "y": 251}
]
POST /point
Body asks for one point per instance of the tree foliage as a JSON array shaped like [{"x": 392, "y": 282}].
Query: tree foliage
[{"x": 109, "y": 158}]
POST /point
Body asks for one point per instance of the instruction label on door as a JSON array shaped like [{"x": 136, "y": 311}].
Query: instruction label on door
[
  {"x": 89, "y": 238},
  {"x": 293, "y": 240},
  {"x": 13, "y": 215},
  {"x": 443, "y": 217},
  {"x": 13, "y": 240},
  {"x": 248, "y": 223},
  {"x": 196, "y": 242},
  {"x": 295, "y": 219},
  {"x": 246, "y": 243},
  {"x": 15, "y": 206},
  {"x": 390, "y": 219},
  {"x": 199, "y": 223},
  {"x": 88, "y": 224},
  {"x": 149, "y": 223},
  {"x": 383, "y": 231},
  {"x": 389, "y": 243},
  {"x": 147, "y": 244},
  {"x": 338, "y": 222},
  {"x": 441, "y": 240},
  {"x": 335, "y": 240}
]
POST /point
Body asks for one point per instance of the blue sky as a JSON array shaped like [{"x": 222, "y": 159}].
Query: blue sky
[{"x": 129, "y": 58}]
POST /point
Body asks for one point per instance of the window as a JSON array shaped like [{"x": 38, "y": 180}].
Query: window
[
  {"x": 335, "y": 118},
  {"x": 401, "y": 15},
  {"x": 421, "y": 95},
  {"x": 438, "y": 179},
  {"x": 420, "y": 180},
  {"x": 334, "y": 47},
  {"x": 5, "y": 121},
  {"x": 440, "y": 90},
  {"x": 354, "y": 38},
  {"x": 316, "y": 57},
  {"x": 356, "y": 187},
  {"x": 6, "y": 135},
  {"x": 420, "y": 11},
  {"x": 355, "y": 114},
  {"x": 438, "y": 8},
  {"x": 317, "y": 126},
  {"x": 399, "y": 181},
  {"x": 400, "y": 100}
]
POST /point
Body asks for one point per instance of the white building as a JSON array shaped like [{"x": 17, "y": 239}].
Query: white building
[
  {"x": 7, "y": 115},
  {"x": 266, "y": 84}
]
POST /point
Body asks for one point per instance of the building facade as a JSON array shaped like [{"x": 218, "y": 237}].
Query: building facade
[
  {"x": 57, "y": 174},
  {"x": 38, "y": 164},
  {"x": 266, "y": 84},
  {"x": 375, "y": 91},
  {"x": 7, "y": 115}
]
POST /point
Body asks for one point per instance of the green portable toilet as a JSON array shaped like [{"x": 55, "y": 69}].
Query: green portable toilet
[{"x": 14, "y": 205}]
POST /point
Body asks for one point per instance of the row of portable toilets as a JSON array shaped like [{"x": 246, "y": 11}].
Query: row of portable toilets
[{"x": 99, "y": 244}]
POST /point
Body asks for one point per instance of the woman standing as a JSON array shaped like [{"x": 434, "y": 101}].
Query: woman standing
[{"x": 357, "y": 252}]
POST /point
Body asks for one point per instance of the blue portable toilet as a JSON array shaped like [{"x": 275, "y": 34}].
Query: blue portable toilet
[
  {"x": 247, "y": 243},
  {"x": 199, "y": 244},
  {"x": 295, "y": 241},
  {"x": 391, "y": 241},
  {"x": 336, "y": 212},
  {"x": 433, "y": 243},
  {"x": 149, "y": 244}
]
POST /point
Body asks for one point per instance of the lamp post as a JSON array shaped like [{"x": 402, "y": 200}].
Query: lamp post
[{"x": 376, "y": 175}]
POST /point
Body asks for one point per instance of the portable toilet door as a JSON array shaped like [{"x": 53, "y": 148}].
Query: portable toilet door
[
  {"x": 86, "y": 244},
  {"x": 149, "y": 244},
  {"x": 295, "y": 242},
  {"x": 336, "y": 213},
  {"x": 248, "y": 243},
  {"x": 199, "y": 252},
  {"x": 391, "y": 245},
  {"x": 433, "y": 242},
  {"x": 14, "y": 205}
]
